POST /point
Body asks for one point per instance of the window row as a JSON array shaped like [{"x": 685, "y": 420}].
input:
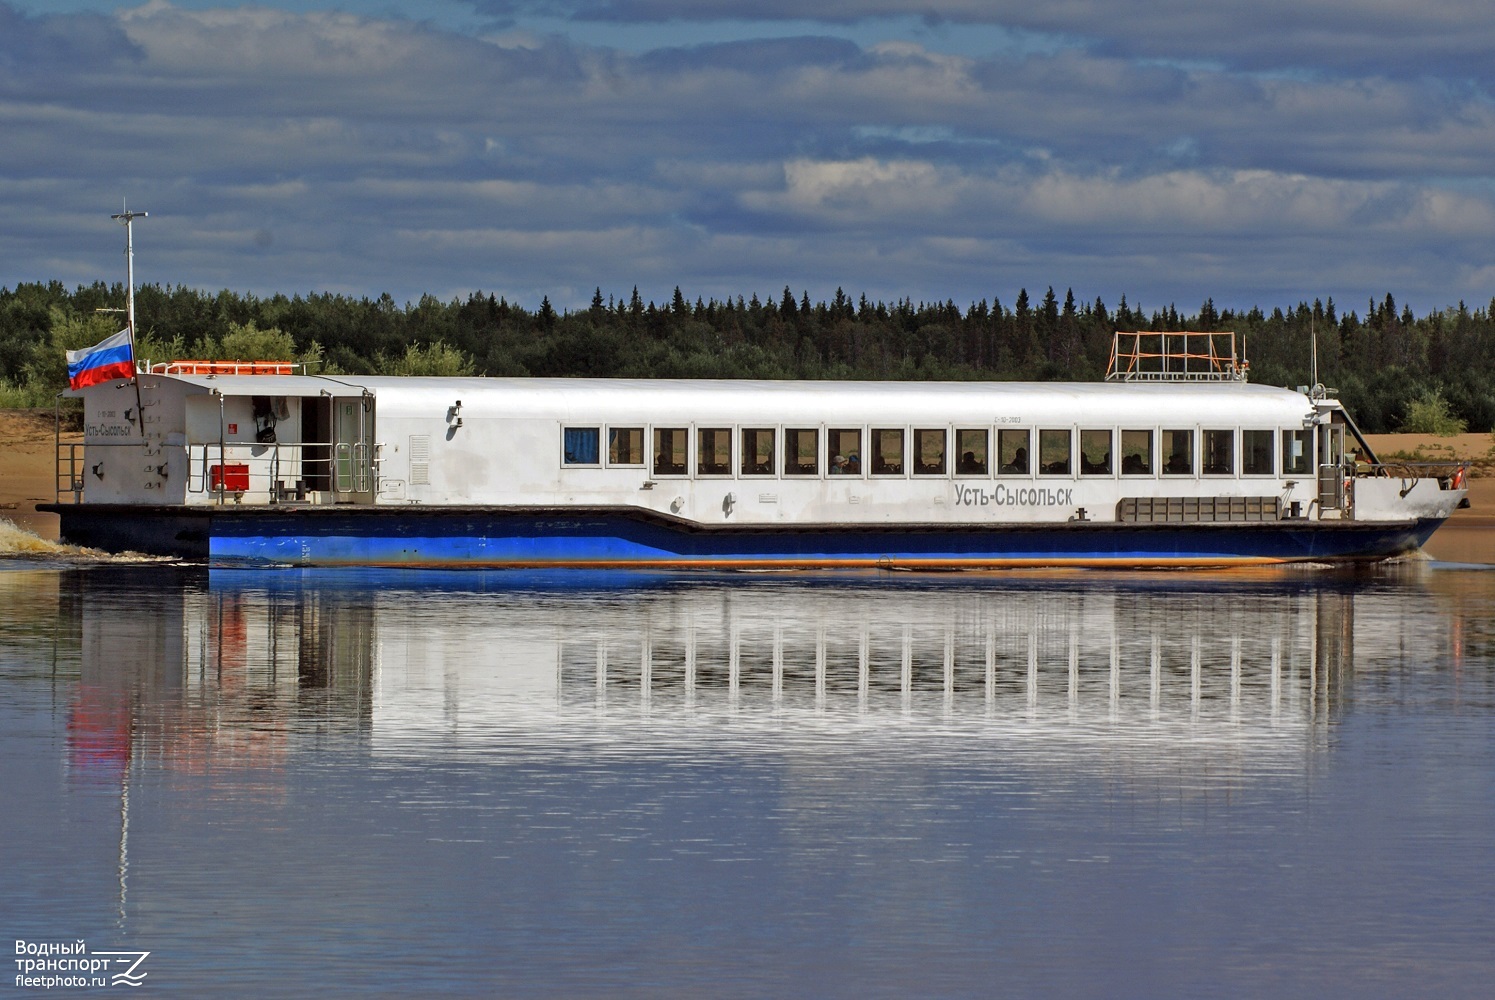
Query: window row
[{"x": 897, "y": 451}]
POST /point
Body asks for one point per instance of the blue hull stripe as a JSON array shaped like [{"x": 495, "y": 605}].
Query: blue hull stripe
[{"x": 622, "y": 541}]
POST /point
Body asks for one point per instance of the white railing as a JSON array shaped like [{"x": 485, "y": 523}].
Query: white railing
[
  {"x": 277, "y": 472},
  {"x": 233, "y": 472}
]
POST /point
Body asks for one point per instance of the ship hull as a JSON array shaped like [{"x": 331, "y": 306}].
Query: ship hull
[{"x": 487, "y": 537}]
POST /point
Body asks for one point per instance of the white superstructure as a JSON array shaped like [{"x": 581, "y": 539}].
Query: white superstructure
[{"x": 743, "y": 452}]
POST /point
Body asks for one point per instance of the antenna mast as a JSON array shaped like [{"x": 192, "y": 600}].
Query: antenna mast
[
  {"x": 126, "y": 218},
  {"x": 1313, "y": 338}
]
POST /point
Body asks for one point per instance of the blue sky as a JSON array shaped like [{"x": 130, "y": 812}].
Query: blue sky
[{"x": 1258, "y": 153}]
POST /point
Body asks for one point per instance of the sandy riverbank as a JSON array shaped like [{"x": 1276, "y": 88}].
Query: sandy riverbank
[
  {"x": 28, "y": 469},
  {"x": 28, "y": 477}
]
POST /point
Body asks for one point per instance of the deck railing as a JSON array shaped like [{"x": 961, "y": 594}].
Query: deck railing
[
  {"x": 190, "y": 367},
  {"x": 234, "y": 472},
  {"x": 1182, "y": 356}
]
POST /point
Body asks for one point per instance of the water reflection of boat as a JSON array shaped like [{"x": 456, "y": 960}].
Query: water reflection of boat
[{"x": 237, "y": 659}]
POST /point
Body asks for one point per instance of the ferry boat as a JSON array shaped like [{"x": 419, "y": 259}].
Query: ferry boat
[{"x": 1175, "y": 460}]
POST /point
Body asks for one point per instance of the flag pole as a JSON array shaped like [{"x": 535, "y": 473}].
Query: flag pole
[{"x": 127, "y": 218}]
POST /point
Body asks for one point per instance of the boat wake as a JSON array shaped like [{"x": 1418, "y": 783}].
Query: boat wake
[{"x": 19, "y": 544}]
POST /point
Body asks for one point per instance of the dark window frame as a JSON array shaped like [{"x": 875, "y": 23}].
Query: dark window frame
[
  {"x": 1209, "y": 440},
  {"x": 1053, "y": 468},
  {"x": 979, "y": 465},
  {"x": 746, "y": 455},
  {"x": 1005, "y": 468},
  {"x": 1107, "y": 466},
  {"x": 879, "y": 467},
  {"x": 643, "y": 452},
  {"x": 1270, "y": 437},
  {"x": 1305, "y": 435},
  {"x": 570, "y": 444},
  {"x": 792, "y": 465},
  {"x": 1151, "y": 464},
  {"x": 673, "y": 470},
  {"x": 1167, "y": 468},
  {"x": 835, "y": 445},
  {"x": 725, "y": 471},
  {"x": 939, "y": 468}
]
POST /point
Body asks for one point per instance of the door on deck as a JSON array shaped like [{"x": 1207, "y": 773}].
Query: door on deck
[
  {"x": 316, "y": 448},
  {"x": 1331, "y": 467},
  {"x": 352, "y": 449}
]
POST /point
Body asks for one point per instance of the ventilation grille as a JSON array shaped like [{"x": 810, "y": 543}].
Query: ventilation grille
[
  {"x": 1193, "y": 510},
  {"x": 420, "y": 460}
]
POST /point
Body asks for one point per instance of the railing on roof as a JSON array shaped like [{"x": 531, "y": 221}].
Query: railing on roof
[
  {"x": 226, "y": 368},
  {"x": 1180, "y": 356}
]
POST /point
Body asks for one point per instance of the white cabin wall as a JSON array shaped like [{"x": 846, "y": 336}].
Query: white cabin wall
[
  {"x": 507, "y": 449},
  {"x": 121, "y": 466},
  {"x": 499, "y": 442},
  {"x": 518, "y": 462},
  {"x": 485, "y": 461}
]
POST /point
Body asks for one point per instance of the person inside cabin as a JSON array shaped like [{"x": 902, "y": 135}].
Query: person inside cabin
[
  {"x": 853, "y": 464},
  {"x": 1178, "y": 463},
  {"x": 1019, "y": 463},
  {"x": 838, "y": 465},
  {"x": 968, "y": 464}
]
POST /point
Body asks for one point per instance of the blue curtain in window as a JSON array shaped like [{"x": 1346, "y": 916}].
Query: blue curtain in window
[{"x": 581, "y": 445}]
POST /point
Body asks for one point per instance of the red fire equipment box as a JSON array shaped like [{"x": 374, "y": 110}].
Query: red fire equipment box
[{"x": 230, "y": 478}]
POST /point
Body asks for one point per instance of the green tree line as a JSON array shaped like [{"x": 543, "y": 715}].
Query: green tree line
[{"x": 1392, "y": 369}]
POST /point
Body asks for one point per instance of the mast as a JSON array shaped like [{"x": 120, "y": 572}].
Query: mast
[
  {"x": 127, "y": 218},
  {"x": 1313, "y": 339}
]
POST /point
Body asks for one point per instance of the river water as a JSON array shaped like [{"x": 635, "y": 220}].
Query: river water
[{"x": 498, "y": 784}]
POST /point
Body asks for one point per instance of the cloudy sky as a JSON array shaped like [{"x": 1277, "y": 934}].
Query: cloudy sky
[{"x": 1258, "y": 152}]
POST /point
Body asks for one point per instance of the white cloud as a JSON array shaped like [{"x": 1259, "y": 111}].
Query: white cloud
[{"x": 278, "y": 150}]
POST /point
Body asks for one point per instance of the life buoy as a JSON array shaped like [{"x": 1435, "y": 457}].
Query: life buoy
[{"x": 1457, "y": 483}]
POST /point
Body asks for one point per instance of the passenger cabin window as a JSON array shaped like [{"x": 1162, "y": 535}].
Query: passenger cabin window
[
  {"x": 669, "y": 451},
  {"x": 970, "y": 446},
  {"x": 1012, "y": 452},
  {"x": 1256, "y": 453},
  {"x": 1179, "y": 447},
  {"x": 757, "y": 451},
  {"x": 887, "y": 452},
  {"x": 801, "y": 452},
  {"x": 714, "y": 451},
  {"x": 625, "y": 446},
  {"x": 580, "y": 445},
  {"x": 929, "y": 452},
  {"x": 1136, "y": 453},
  {"x": 1053, "y": 453},
  {"x": 1219, "y": 453},
  {"x": 1095, "y": 453},
  {"x": 1297, "y": 453},
  {"x": 845, "y": 449}
]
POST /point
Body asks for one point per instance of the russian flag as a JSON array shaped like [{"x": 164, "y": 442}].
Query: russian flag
[{"x": 110, "y": 358}]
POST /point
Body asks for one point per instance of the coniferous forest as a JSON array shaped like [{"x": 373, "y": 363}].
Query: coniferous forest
[{"x": 1393, "y": 369}]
